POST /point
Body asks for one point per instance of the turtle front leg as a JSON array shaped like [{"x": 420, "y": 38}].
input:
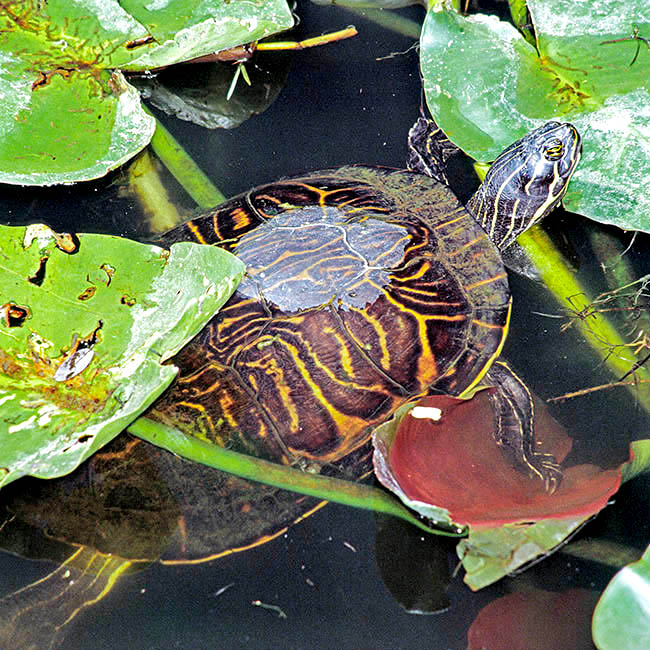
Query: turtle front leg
[{"x": 514, "y": 426}]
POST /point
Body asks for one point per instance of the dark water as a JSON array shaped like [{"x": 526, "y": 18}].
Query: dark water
[{"x": 346, "y": 103}]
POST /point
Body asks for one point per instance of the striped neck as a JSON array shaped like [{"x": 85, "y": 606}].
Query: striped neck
[{"x": 526, "y": 182}]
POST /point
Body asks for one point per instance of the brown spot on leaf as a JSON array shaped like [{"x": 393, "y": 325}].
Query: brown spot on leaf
[
  {"x": 87, "y": 293},
  {"x": 44, "y": 77},
  {"x": 14, "y": 315},
  {"x": 39, "y": 276},
  {"x": 138, "y": 42},
  {"x": 67, "y": 242},
  {"x": 110, "y": 272}
]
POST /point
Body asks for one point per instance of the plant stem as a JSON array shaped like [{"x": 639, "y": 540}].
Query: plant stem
[
  {"x": 146, "y": 184},
  {"x": 347, "y": 493},
  {"x": 184, "y": 169},
  {"x": 596, "y": 329},
  {"x": 388, "y": 20}
]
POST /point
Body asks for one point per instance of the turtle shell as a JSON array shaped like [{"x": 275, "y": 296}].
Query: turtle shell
[{"x": 365, "y": 288}]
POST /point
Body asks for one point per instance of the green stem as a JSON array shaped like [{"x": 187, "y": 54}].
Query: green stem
[
  {"x": 388, "y": 20},
  {"x": 347, "y": 493},
  {"x": 597, "y": 330},
  {"x": 146, "y": 184},
  {"x": 184, "y": 169}
]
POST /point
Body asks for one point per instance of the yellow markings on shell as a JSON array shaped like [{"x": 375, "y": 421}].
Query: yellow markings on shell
[
  {"x": 240, "y": 218},
  {"x": 344, "y": 350},
  {"x": 342, "y": 420},
  {"x": 362, "y": 208},
  {"x": 449, "y": 222},
  {"x": 465, "y": 246},
  {"x": 384, "y": 362},
  {"x": 190, "y": 379},
  {"x": 246, "y": 547},
  {"x": 268, "y": 197},
  {"x": 226, "y": 402},
  {"x": 204, "y": 417},
  {"x": 495, "y": 355},
  {"x": 391, "y": 250},
  {"x": 331, "y": 374},
  {"x": 237, "y": 549},
  {"x": 270, "y": 367},
  {"x": 482, "y": 283},
  {"x": 490, "y": 326},
  {"x": 422, "y": 270},
  {"x": 288, "y": 254},
  {"x": 197, "y": 234},
  {"x": 427, "y": 366}
]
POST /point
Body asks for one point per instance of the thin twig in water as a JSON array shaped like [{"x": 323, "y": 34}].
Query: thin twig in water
[{"x": 274, "y": 608}]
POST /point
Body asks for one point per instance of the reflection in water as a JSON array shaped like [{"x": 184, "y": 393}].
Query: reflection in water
[{"x": 128, "y": 506}]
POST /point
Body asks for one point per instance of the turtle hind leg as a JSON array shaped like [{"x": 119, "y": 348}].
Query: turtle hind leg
[{"x": 514, "y": 426}]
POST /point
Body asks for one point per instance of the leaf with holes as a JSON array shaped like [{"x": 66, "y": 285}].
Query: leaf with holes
[
  {"x": 85, "y": 326},
  {"x": 67, "y": 113},
  {"x": 487, "y": 86}
]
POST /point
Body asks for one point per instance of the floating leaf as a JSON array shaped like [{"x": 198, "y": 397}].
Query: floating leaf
[
  {"x": 622, "y": 617},
  {"x": 454, "y": 463},
  {"x": 449, "y": 468},
  {"x": 487, "y": 86},
  {"x": 86, "y": 325},
  {"x": 67, "y": 114}
]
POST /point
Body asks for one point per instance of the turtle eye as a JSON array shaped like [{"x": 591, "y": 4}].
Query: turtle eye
[{"x": 554, "y": 150}]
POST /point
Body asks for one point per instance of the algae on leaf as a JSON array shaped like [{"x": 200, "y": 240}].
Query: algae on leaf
[
  {"x": 86, "y": 324},
  {"x": 66, "y": 112}
]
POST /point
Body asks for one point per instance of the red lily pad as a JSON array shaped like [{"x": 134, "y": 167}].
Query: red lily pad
[
  {"x": 535, "y": 620},
  {"x": 454, "y": 464}
]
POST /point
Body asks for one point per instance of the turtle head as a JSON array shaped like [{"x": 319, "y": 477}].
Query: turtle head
[{"x": 526, "y": 181}]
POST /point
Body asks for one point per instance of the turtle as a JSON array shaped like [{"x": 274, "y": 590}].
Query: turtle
[{"x": 366, "y": 288}]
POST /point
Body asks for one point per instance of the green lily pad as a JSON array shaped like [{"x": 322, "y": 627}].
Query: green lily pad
[
  {"x": 487, "y": 86},
  {"x": 67, "y": 113},
  {"x": 85, "y": 328},
  {"x": 622, "y": 617},
  {"x": 489, "y": 554},
  {"x": 371, "y": 4}
]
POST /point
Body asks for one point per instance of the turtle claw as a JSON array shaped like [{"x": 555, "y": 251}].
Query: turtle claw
[{"x": 548, "y": 469}]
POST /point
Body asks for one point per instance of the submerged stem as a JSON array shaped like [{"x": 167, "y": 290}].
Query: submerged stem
[
  {"x": 347, "y": 493},
  {"x": 189, "y": 175},
  {"x": 597, "y": 330}
]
